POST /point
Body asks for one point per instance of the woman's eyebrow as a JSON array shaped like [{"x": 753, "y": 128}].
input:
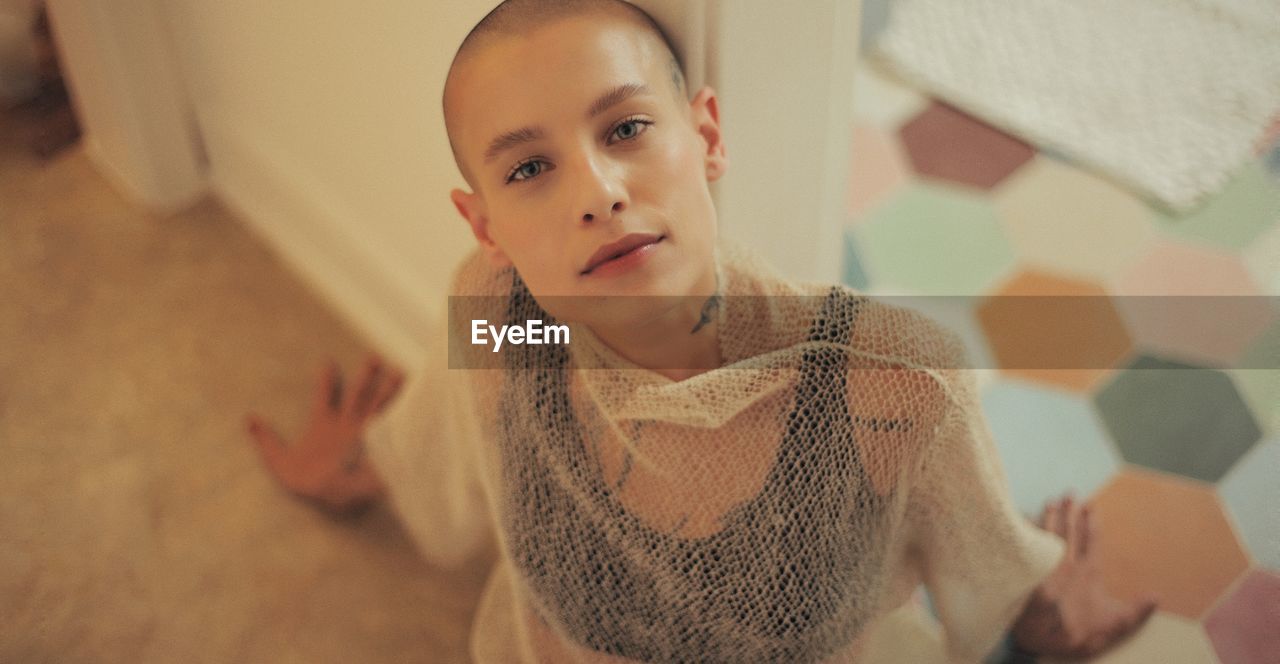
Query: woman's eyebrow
[
  {"x": 510, "y": 140},
  {"x": 616, "y": 96}
]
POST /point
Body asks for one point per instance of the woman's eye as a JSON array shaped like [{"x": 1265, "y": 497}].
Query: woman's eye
[
  {"x": 526, "y": 171},
  {"x": 630, "y": 129}
]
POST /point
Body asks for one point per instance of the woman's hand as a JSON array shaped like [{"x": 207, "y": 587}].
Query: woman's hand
[
  {"x": 1071, "y": 614},
  {"x": 327, "y": 464}
]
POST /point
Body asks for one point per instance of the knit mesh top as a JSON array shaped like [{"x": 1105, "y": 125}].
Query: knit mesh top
[{"x": 781, "y": 508}]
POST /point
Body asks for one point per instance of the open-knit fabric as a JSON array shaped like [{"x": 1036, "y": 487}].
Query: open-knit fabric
[{"x": 781, "y": 508}]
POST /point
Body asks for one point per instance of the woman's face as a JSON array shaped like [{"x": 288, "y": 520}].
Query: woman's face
[{"x": 575, "y": 140}]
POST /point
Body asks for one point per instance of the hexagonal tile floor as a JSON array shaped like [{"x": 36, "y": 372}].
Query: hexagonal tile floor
[
  {"x": 945, "y": 143},
  {"x": 1257, "y": 375},
  {"x": 1251, "y": 491},
  {"x": 1054, "y": 330},
  {"x": 1055, "y": 214},
  {"x": 1161, "y": 534},
  {"x": 1245, "y": 627},
  {"x": 1193, "y": 302},
  {"x": 1050, "y": 440},
  {"x": 878, "y": 169},
  {"x": 1263, "y": 260},
  {"x": 1178, "y": 418},
  {"x": 1178, "y": 442},
  {"x": 934, "y": 240}
]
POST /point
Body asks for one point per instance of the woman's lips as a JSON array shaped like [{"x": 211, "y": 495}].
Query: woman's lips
[{"x": 627, "y": 261}]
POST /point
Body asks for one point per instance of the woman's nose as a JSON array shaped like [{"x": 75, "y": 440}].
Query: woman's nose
[
  {"x": 613, "y": 209},
  {"x": 601, "y": 193}
]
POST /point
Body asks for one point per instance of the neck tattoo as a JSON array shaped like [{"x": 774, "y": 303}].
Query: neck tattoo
[{"x": 708, "y": 308}]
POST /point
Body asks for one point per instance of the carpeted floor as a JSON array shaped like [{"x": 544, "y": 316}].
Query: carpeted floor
[{"x": 136, "y": 523}]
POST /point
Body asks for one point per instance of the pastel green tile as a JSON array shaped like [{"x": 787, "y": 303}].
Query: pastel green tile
[
  {"x": 1177, "y": 418},
  {"x": 1050, "y": 441},
  {"x": 1260, "y": 389},
  {"x": 1246, "y": 208},
  {"x": 1251, "y": 491},
  {"x": 1262, "y": 258},
  {"x": 1257, "y": 376},
  {"x": 936, "y": 240}
]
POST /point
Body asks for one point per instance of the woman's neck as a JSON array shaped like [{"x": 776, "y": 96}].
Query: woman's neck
[
  {"x": 679, "y": 341},
  {"x": 680, "y": 344}
]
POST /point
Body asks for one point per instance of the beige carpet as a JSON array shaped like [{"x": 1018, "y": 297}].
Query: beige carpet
[{"x": 136, "y": 524}]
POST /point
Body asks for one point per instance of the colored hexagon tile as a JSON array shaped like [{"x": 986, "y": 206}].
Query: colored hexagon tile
[
  {"x": 880, "y": 99},
  {"x": 1166, "y": 639},
  {"x": 1245, "y": 627},
  {"x": 1257, "y": 376},
  {"x": 1252, "y": 494},
  {"x": 852, "y": 273},
  {"x": 1066, "y": 220},
  {"x": 1177, "y": 418},
  {"x": 1234, "y": 217},
  {"x": 1054, "y": 330},
  {"x": 1050, "y": 441},
  {"x": 935, "y": 240},
  {"x": 1165, "y": 535},
  {"x": 1260, "y": 389},
  {"x": 877, "y": 170},
  {"x": 1262, "y": 258},
  {"x": 944, "y": 143},
  {"x": 1210, "y": 330}
]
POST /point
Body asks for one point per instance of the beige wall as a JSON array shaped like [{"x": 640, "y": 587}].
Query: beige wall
[
  {"x": 784, "y": 71},
  {"x": 324, "y": 128}
]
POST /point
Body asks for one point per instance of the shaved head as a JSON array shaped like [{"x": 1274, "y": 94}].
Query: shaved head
[{"x": 513, "y": 18}]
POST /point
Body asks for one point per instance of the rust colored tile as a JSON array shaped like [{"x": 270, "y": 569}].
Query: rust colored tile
[
  {"x": 947, "y": 144},
  {"x": 1163, "y": 534},
  {"x": 1054, "y": 330},
  {"x": 1245, "y": 627}
]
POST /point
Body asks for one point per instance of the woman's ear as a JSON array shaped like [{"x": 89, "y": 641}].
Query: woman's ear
[
  {"x": 471, "y": 207},
  {"x": 705, "y": 111}
]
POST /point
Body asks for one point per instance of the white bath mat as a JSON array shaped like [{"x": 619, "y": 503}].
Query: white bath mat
[{"x": 1166, "y": 96}]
